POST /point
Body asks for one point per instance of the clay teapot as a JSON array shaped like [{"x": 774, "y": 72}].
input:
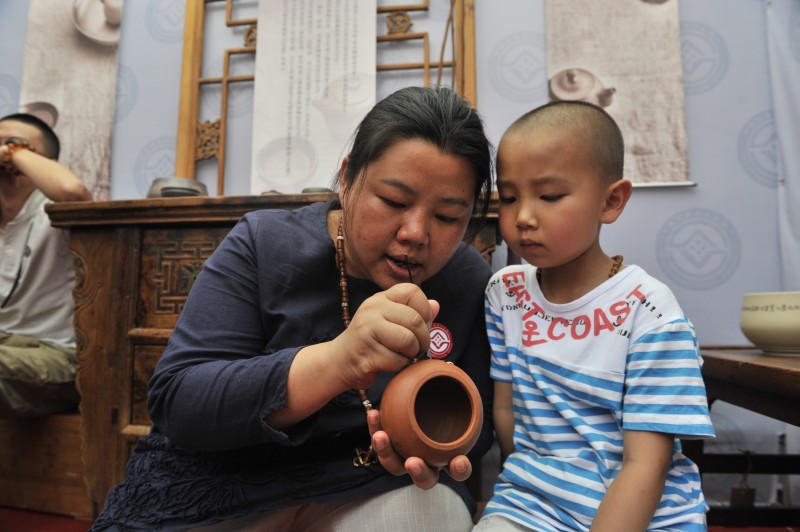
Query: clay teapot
[
  {"x": 432, "y": 410},
  {"x": 580, "y": 84}
]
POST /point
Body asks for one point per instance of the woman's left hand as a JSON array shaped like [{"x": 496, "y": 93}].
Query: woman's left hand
[{"x": 421, "y": 473}]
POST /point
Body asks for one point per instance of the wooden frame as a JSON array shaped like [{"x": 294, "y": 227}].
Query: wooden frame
[{"x": 197, "y": 141}]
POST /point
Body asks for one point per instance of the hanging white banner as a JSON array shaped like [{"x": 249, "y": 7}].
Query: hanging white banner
[
  {"x": 70, "y": 81},
  {"x": 314, "y": 80},
  {"x": 783, "y": 40}
]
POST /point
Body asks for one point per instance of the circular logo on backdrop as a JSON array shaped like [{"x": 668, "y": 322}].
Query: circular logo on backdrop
[
  {"x": 9, "y": 94},
  {"x": 705, "y": 57},
  {"x": 441, "y": 341},
  {"x": 127, "y": 92},
  {"x": 165, "y": 20},
  {"x": 759, "y": 150},
  {"x": 157, "y": 159},
  {"x": 518, "y": 66},
  {"x": 698, "y": 249}
]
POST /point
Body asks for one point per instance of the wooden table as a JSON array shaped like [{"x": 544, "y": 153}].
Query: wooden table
[
  {"x": 767, "y": 384},
  {"x": 746, "y": 377},
  {"x": 135, "y": 262}
]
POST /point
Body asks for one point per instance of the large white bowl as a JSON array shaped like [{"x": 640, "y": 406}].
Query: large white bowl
[{"x": 771, "y": 320}]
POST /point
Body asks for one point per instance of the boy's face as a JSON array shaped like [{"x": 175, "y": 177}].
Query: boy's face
[{"x": 551, "y": 197}]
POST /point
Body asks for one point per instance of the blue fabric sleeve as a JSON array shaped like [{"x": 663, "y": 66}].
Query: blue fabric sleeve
[{"x": 213, "y": 389}]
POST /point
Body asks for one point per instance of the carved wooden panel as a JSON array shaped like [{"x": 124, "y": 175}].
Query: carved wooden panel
[
  {"x": 145, "y": 358},
  {"x": 173, "y": 257},
  {"x": 106, "y": 266}
]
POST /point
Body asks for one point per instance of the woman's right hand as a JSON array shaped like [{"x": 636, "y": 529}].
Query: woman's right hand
[
  {"x": 390, "y": 329},
  {"x": 422, "y": 475}
]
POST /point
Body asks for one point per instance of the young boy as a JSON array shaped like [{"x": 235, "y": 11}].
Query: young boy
[{"x": 596, "y": 367}]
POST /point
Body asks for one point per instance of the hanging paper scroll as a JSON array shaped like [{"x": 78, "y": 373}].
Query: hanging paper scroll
[
  {"x": 626, "y": 57},
  {"x": 315, "y": 80}
]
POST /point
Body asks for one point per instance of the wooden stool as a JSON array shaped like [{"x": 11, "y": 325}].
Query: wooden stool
[{"x": 41, "y": 467}]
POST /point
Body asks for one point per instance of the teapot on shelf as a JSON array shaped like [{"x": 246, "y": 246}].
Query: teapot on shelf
[{"x": 580, "y": 84}]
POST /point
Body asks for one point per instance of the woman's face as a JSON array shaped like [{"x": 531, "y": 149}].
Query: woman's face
[{"x": 415, "y": 202}]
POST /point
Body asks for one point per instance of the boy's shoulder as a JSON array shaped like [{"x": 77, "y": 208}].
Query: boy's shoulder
[
  {"x": 648, "y": 297},
  {"x": 639, "y": 276}
]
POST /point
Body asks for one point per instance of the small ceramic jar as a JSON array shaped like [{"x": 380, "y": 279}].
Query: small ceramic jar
[{"x": 432, "y": 410}]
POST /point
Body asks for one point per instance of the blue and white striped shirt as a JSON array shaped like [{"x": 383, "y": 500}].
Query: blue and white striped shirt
[{"x": 622, "y": 357}]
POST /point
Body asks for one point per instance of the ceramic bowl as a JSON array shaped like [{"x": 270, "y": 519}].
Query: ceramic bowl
[
  {"x": 172, "y": 187},
  {"x": 771, "y": 321},
  {"x": 432, "y": 410}
]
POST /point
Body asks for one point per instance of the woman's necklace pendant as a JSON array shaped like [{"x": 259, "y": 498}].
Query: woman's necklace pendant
[{"x": 364, "y": 458}]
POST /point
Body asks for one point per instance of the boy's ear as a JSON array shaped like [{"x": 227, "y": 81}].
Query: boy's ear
[{"x": 617, "y": 195}]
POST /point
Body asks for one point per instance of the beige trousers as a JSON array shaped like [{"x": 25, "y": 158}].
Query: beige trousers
[
  {"x": 407, "y": 509},
  {"x": 36, "y": 378}
]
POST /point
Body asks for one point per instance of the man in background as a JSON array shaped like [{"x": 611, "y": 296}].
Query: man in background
[{"x": 37, "y": 338}]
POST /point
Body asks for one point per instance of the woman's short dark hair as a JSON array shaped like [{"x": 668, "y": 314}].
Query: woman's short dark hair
[
  {"x": 52, "y": 146},
  {"x": 436, "y": 115}
]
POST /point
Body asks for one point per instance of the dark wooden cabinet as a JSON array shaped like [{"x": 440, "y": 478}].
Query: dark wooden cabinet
[{"x": 136, "y": 261}]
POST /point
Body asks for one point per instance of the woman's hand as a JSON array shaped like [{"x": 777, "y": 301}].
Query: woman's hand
[
  {"x": 422, "y": 474},
  {"x": 389, "y": 330}
]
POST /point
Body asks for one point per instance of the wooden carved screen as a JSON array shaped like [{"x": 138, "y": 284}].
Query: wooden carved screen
[{"x": 200, "y": 140}]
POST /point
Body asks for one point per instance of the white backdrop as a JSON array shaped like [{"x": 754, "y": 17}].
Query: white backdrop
[
  {"x": 711, "y": 243},
  {"x": 783, "y": 37}
]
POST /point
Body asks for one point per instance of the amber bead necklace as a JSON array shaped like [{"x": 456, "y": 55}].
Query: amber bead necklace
[
  {"x": 363, "y": 457},
  {"x": 615, "y": 266}
]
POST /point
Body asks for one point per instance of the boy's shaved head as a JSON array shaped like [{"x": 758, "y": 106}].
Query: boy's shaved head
[{"x": 593, "y": 127}]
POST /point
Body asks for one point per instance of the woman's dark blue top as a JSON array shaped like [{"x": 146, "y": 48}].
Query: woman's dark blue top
[{"x": 270, "y": 289}]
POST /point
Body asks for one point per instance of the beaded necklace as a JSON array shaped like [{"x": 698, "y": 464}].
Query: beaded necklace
[
  {"x": 363, "y": 457},
  {"x": 615, "y": 266}
]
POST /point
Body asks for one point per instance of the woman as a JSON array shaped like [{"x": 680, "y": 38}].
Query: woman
[{"x": 297, "y": 317}]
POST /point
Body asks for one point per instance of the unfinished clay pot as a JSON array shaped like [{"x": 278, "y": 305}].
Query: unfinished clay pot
[{"x": 432, "y": 410}]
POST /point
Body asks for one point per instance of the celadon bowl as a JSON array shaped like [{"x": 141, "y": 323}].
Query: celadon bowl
[{"x": 771, "y": 321}]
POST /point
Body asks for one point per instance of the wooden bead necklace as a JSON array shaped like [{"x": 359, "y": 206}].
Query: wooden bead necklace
[
  {"x": 363, "y": 458},
  {"x": 615, "y": 266}
]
